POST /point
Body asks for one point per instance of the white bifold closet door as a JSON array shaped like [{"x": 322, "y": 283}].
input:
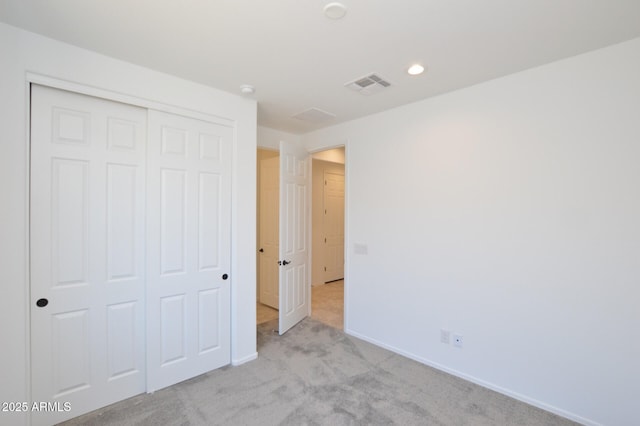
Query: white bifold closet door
[
  {"x": 87, "y": 252},
  {"x": 188, "y": 248}
]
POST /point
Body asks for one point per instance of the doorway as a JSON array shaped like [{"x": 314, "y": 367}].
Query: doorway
[
  {"x": 328, "y": 219},
  {"x": 327, "y": 234},
  {"x": 268, "y": 175}
]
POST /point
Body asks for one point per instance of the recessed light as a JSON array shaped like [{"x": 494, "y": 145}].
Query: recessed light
[
  {"x": 247, "y": 89},
  {"x": 335, "y": 10},
  {"x": 415, "y": 69}
]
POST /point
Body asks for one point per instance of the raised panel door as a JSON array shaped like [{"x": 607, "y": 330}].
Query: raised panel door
[
  {"x": 189, "y": 239},
  {"x": 87, "y": 252},
  {"x": 333, "y": 226},
  {"x": 295, "y": 200}
]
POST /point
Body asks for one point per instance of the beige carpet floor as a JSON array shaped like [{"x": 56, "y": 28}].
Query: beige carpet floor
[{"x": 318, "y": 375}]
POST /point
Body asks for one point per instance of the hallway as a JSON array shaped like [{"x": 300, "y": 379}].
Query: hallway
[{"x": 327, "y": 305}]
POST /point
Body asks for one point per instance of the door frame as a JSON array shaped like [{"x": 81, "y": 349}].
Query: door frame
[
  {"x": 344, "y": 144},
  {"x": 260, "y": 212},
  {"x": 82, "y": 89}
]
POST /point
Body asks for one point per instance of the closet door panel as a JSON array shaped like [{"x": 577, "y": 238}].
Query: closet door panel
[
  {"x": 87, "y": 246},
  {"x": 189, "y": 240}
]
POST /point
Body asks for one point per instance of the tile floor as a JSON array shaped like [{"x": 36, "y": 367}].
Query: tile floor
[
  {"x": 265, "y": 313},
  {"x": 327, "y": 305}
]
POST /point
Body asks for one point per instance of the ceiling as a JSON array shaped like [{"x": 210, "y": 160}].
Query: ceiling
[{"x": 299, "y": 59}]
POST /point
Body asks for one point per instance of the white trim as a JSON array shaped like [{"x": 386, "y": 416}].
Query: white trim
[
  {"x": 27, "y": 254},
  {"x": 347, "y": 241},
  {"x": 124, "y": 98},
  {"x": 309, "y": 230},
  {"x": 237, "y": 362},
  {"x": 472, "y": 379},
  {"x": 233, "y": 246}
]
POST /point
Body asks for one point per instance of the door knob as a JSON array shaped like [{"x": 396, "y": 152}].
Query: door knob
[
  {"x": 261, "y": 250},
  {"x": 225, "y": 276},
  {"x": 41, "y": 303},
  {"x": 285, "y": 262}
]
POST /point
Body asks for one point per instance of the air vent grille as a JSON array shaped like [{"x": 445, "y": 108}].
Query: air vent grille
[
  {"x": 364, "y": 82},
  {"x": 369, "y": 84},
  {"x": 379, "y": 80}
]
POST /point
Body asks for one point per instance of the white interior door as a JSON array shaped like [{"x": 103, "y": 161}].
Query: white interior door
[
  {"x": 87, "y": 252},
  {"x": 269, "y": 233},
  {"x": 188, "y": 255},
  {"x": 295, "y": 220},
  {"x": 333, "y": 226}
]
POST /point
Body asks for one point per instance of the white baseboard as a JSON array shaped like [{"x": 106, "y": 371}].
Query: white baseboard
[
  {"x": 236, "y": 362},
  {"x": 494, "y": 387}
]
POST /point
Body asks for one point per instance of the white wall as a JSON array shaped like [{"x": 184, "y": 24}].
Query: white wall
[
  {"x": 270, "y": 138},
  {"x": 508, "y": 212},
  {"x": 23, "y": 53}
]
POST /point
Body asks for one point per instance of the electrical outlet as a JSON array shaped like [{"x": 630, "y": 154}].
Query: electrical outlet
[
  {"x": 445, "y": 336},
  {"x": 457, "y": 340}
]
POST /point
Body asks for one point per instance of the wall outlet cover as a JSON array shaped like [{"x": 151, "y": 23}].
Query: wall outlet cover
[{"x": 457, "y": 340}]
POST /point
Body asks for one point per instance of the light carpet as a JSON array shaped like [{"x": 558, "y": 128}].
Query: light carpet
[{"x": 318, "y": 375}]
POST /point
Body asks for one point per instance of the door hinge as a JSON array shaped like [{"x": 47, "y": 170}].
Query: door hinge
[
  {"x": 325, "y": 269},
  {"x": 325, "y": 240}
]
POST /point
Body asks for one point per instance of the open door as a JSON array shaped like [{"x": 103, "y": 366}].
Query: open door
[{"x": 295, "y": 220}]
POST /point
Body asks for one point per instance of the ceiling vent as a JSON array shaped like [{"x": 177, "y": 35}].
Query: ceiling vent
[
  {"x": 314, "y": 115},
  {"x": 369, "y": 84}
]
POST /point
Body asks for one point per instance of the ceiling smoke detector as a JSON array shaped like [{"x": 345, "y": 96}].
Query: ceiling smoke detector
[
  {"x": 247, "y": 89},
  {"x": 368, "y": 85}
]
